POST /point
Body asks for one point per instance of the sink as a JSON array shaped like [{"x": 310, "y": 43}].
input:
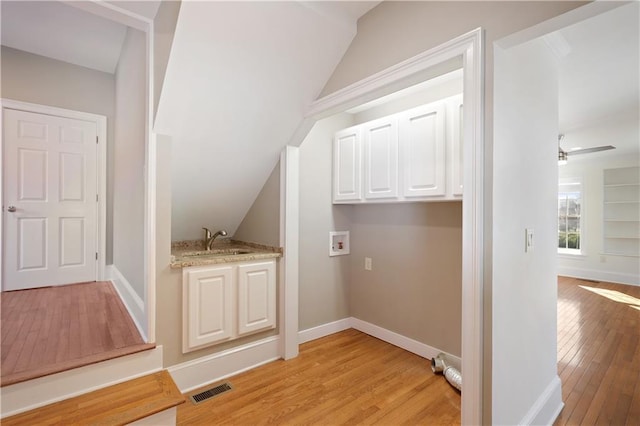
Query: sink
[{"x": 217, "y": 252}]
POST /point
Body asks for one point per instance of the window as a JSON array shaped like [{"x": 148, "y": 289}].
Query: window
[{"x": 569, "y": 215}]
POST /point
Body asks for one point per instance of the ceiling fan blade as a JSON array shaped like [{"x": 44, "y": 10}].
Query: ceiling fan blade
[{"x": 590, "y": 150}]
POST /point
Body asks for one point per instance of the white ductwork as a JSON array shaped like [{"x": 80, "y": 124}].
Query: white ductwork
[{"x": 453, "y": 376}]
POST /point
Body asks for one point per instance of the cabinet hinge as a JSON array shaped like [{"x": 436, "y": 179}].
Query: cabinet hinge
[
  {"x": 96, "y": 198},
  {"x": 96, "y": 255},
  {"x": 96, "y": 139}
]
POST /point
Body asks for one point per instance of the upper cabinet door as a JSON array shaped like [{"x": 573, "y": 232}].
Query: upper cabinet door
[
  {"x": 380, "y": 138},
  {"x": 346, "y": 165},
  {"x": 422, "y": 139},
  {"x": 457, "y": 134}
]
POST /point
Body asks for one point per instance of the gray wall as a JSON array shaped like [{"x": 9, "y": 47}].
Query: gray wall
[
  {"x": 129, "y": 164},
  {"x": 261, "y": 224},
  {"x": 32, "y": 78},
  {"x": 323, "y": 281},
  {"x": 414, "y": 287}
]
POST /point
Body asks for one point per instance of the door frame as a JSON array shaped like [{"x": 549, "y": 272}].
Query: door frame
[
  {"x": 101, "y": 173},
  {"x": 470, "y": 47}
]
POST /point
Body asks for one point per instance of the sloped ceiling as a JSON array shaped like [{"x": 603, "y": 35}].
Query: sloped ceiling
[
  {"x": 600, "y": 83},
  {"x": 239, "y": 79}
]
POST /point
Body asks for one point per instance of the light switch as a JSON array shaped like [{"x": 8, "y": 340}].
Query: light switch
[
  {"x": 528, "y": 244},
  {"x": 367, "y": 263}
]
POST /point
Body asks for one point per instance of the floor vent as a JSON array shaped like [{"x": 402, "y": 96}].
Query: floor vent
[{"x": 210, "y": 393}]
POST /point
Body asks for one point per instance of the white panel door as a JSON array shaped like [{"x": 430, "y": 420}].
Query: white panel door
[
  {"x": 50, "y": 200},
  {"x": 380, "y": 140},
  {"x": 457, "y": 134},
  {"x": 256, "y": 297},
  {"x": 422, "y": 144},
  {"x": 207, "y": 307},
  {"x": 346, "y": 165}
]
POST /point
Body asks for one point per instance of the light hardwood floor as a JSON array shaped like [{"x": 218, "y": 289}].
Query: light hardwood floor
[
  {"x": 599, "y": 352},
  {"x": 346, "y": 378},
  {"x": 52, "y": 329}
]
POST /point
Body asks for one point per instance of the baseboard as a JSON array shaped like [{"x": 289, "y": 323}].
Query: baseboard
[
  {"x": 594, "y": 274},
  {"x": 547, "y": 407},
  {"x": 210, "y": 369},
  {"x": 323, "y": 330},
  {"x": 46, "y": 390},
  {"x": 130, "y": 299},
  {"x": 395, "y": 339}
]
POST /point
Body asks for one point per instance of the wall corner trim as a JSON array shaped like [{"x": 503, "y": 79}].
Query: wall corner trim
[
  {"x": 323, "y": 330},
  {"x": 547, "y": 407},
  {"x": 129, "y": 297}
]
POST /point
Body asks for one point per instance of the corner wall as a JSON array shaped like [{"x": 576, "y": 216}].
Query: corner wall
[
  {"x": 324, "y": 280},
  {"x": 129, "y": 162}
]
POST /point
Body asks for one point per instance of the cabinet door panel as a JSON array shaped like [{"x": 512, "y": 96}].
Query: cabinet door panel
[
  {"x": 208, "y": 310},
  {"x": 256, "y": 297},
  {"x": 346, "y": 165},
  {"x": 381, "y": 158},
  {"x": 423, "y": 151}
]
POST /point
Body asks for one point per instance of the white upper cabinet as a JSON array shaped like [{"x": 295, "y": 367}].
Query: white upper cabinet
[
  {"x": 380, "y": 138},
  {"x": 346, "y": 165},
  {"x": 414, "y": 155},
  {"x": 422, "y": 139}
]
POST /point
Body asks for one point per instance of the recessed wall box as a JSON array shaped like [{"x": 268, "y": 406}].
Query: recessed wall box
[{"x": 338, "y": 243}]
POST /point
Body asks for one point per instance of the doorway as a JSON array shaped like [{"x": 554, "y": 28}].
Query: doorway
[{"x": 53, "y": 196}]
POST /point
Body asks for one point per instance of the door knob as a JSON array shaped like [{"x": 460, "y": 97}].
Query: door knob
[{"x": 11, "y": 209}]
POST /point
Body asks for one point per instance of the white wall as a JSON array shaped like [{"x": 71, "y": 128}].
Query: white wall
[
  {"x": 525, "y": 176},
  {"x": 592, "y": 263},
  {"x": 129, "y": 162}
]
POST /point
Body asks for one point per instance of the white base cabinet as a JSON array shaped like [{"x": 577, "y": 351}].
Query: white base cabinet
[
  {"x": 415, "y": 155},
  {"x": 227, "y": 301}
]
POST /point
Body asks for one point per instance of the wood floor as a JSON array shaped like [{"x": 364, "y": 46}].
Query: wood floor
[
  {"x": 599, "y": 352},
  {"x": 52, "y": 329},
  {"x": 347, "y": 378}
]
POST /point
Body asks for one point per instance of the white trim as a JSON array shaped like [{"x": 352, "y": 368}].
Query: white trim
[
  {"x": 599, "y": 275},
  {"x": 45, "y": 390},
  {"x": 129, "y": 297},
  {"x": 166, "y": 417},
  {"x": 548, "y": 406},
  {"x": 401, "y": 341},
  {"x": 412, "y": 71},
  {"x": 101, "y": 170},
  {"x": 200, "y": 372},
  {"x": 323, "y": 330},
  {"x": 289, "y": 264}
]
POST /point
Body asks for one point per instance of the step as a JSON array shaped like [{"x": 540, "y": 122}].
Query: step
[
  {"x": 135, "y": 400},
  {"x": 29, "y": 395}
]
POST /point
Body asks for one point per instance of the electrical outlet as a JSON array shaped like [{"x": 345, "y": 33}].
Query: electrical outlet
[{"x": 367, "y": 263}]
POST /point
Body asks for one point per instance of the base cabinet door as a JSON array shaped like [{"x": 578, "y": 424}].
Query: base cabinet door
[
  {"x": 256, "y": 297},
  {"x": 208, "y": 310}
]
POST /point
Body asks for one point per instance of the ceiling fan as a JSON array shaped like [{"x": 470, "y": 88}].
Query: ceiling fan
[{"x": 563, "y": 155}]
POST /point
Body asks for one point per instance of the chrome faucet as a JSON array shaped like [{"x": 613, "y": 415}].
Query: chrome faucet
[{"x": 209, "y": 239}]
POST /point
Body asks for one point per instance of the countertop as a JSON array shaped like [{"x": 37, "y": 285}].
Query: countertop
[{"x": 193, "y": 253}]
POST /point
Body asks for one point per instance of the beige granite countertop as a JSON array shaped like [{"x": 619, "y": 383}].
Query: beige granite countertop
[{"x": 193, "y": 253}]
